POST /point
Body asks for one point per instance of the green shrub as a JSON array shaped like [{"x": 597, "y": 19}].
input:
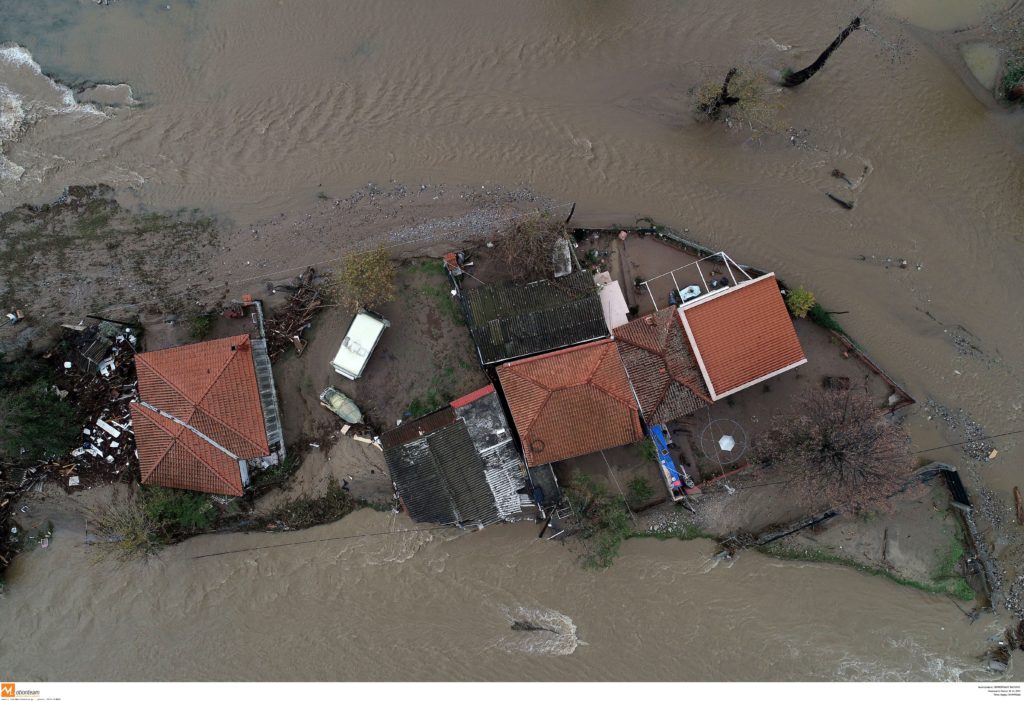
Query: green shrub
[
  {"x": 649, "y": 451},
  {"x": 819, "y": 316},
  {"x": 179, "y": 510},
  {"x": 799, "y": 302},
  {"x": 35, "y": 423},
  {"x": 199, "y": 326},
  {"x": 367, "y": 279},
  {"x": 639, "y": 491}
]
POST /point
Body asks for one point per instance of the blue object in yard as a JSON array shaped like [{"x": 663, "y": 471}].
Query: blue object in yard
[{"x": 661, "y": 444}]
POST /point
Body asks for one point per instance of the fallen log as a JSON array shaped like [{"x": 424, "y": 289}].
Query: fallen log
[
  {"x": 841, "y": 202},
  {"x": 1019, "y": 501}
]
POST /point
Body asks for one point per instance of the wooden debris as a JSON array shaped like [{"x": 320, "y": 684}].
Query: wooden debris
[
  {"x": 1019, "y": 501},
  {"x": 842, "y": 203},
  {"x": 284, "y": 329}
]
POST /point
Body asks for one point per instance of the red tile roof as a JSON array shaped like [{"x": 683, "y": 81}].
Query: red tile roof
[
  {"x": 742, "y": 336},
  {"x": 211, "y": 392},
  {"x": 661, "y": 366},
  {"x": 571, "y": 402}
]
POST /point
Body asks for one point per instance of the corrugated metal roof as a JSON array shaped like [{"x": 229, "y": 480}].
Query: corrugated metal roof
[
  {"x": 661, "y": 366},
  {"x": 440, "y": 478},
  {"x": 742, "y": 336},
  {"x": 571, "y": 402},
  {"x": 511, "y": 321}
]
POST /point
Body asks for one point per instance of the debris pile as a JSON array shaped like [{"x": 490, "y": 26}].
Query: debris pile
[
  {"x": 98, "y": 375},
  {"x": 285, "y": 327}
]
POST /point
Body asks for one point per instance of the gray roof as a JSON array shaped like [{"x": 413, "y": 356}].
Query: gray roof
[
  {"x": 511, "y": 321},
  {"x": 440, "y": 478},
  {"x": 458, "y": 465}
]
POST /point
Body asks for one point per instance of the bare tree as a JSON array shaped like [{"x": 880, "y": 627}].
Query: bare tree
[
  {"x": 528, "y": 248},
  {"x": 791, "y": 79},
  {"x": 842, "y": 448}
]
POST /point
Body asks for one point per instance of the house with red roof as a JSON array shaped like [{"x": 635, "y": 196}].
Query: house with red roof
[
  {"x": 571, "y": 402},
  {"x": 661, "y": 366},
  {"x": 741, "y": 335},
  {"x": 205, "y": 415}
]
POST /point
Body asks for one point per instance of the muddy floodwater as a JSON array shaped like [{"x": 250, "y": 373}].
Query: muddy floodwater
[{"x": 252, "y": 109}]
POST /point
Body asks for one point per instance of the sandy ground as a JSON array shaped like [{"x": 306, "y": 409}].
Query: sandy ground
[{"x": 85, "y": 254}]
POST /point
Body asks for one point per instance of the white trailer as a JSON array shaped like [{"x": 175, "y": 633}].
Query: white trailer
[{"x": 363, "y": 335}]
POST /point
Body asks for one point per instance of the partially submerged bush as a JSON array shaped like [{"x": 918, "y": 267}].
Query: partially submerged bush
[
  {"x": 799, "y": 302},
  {"x": 304, "y": 512},
  {"x": 604, "y": 522},
  {"x": 367, "y": 279},
  {"x": 124, "y": 530},
  {"x": 750, "y": 100}
]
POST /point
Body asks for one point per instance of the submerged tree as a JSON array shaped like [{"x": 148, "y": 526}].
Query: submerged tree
[
  {"x": 791, "y": 79},
  {"x": 744, "y": 98},
  {"x": 841, "y": 448},
  {"x": 367, "y": 279}
]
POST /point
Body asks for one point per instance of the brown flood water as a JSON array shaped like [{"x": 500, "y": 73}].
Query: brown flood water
[{"x": 252, "y": 108}]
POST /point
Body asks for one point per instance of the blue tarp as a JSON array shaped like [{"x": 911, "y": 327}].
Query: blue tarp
[{"x": 661, "y": 443}]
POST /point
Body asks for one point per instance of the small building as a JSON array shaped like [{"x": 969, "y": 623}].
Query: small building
[
  {"x": 510, "y": 321},
  {"x": 571, "y": 402},
  {"x": 200, "y": 420},
  {"x": 458, "y": 465},
  {"x": 661, "y": 367},
  {"x": 613, "y": 302},
  {"x": 741, "y": 335}
]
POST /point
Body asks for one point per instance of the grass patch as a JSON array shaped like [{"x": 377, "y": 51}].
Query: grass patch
[
  {"x": 429, "y": 402},
  {"x": 951, "y": 583}
]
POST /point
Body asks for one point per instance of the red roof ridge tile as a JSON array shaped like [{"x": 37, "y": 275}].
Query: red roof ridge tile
[{"x": 472, "y": 396}]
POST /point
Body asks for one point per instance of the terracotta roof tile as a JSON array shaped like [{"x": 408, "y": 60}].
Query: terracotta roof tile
[
  {"x": 661, "y": 366},
  {"x": 571, "y": 402},
  {"x": 211, "y": 387},
  {"x": 742, "y": 336}
]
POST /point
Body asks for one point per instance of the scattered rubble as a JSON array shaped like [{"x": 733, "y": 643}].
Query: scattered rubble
[{"x": 98, "y": 375}]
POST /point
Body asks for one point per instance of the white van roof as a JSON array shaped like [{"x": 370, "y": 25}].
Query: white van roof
[{"x": 360, "y": 341}]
